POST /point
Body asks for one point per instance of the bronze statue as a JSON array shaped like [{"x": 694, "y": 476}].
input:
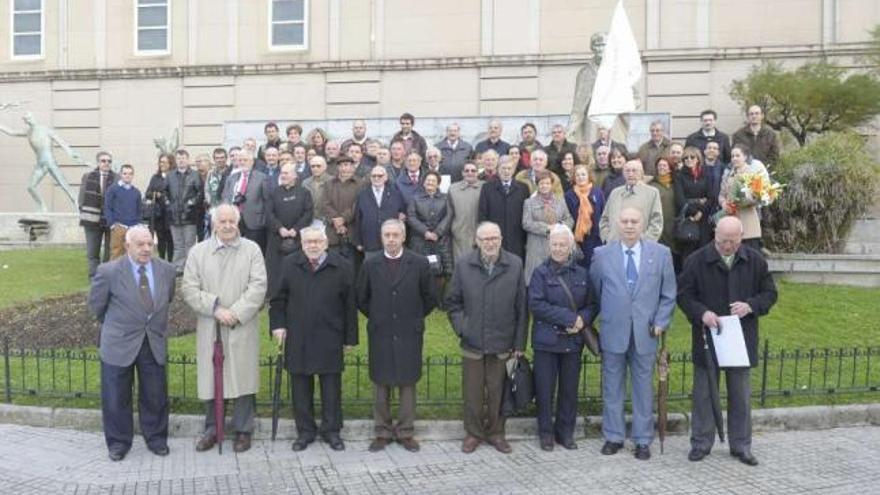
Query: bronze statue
[
  {"x": 578, "y": 124},
  {"x": 41, "y": 137}
]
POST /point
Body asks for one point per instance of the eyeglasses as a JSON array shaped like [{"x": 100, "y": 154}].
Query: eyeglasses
[
  {"x": 377, "y": 176},
  {"x": 470, "y": 170}
]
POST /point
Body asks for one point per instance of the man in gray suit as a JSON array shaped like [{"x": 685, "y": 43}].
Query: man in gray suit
[
  {"x": 634, "y": 298},
  {"x": 248, "y": 189},
  {"x": 130, "y": 297}
]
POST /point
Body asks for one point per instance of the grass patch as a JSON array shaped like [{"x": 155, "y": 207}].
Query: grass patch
[{"x": 823, "y": 323}]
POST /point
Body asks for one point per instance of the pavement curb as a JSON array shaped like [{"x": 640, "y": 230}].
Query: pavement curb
[{"x": 763, "y": 420}]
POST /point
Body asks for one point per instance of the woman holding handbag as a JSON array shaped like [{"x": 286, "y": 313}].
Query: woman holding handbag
[
  {"x": 558, "y": 295},
  {"x": 693, "y": 202}
]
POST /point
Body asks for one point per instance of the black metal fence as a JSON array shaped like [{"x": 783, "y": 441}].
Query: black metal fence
[{"x": 62, "y": 374}]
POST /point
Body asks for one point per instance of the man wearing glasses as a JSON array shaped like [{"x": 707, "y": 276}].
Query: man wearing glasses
[
  {"x": 93, "y": 187},
  {"x": 487, "y": 308}
]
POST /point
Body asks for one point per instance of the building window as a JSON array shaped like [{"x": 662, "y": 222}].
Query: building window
[
  {"x": 27, "y": 29},
  {"x": 288, "y": 26},
  {"x": 153, "y": 18}
]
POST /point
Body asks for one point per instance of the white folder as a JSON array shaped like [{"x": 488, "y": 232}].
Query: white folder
[{"x": 730, "y": 345}]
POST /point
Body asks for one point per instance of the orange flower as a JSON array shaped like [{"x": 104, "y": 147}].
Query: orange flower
[{"x": 757, "y": 185}]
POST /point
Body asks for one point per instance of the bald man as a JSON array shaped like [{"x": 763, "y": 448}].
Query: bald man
[
  {"x": 719, "y": 279},
  {"x": 130, "y": 296}
]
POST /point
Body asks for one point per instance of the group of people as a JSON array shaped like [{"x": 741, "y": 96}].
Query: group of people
[{"x": 490, "y": 233}]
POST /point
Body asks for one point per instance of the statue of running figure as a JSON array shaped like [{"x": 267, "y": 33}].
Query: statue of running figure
[{"x": 41, "y": 138}]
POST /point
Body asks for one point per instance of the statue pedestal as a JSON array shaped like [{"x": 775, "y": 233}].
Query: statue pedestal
[{"x": 40, "y": 229}]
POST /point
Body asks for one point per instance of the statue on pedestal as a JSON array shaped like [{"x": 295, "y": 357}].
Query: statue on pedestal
[
  {"x": 168, "y": 146},
  {"x": 578, "y": 124},
  {"x": 41, "y": 137}
]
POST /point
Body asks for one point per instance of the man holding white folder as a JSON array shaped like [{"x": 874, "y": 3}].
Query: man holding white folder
[{"x": 720, "y": 279}]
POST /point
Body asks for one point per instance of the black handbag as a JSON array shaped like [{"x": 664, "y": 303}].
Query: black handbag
[
  {"x": 686, "y": 230},
  {"x": 519, "y": 388},
  {"x": 588, "y": 333}
]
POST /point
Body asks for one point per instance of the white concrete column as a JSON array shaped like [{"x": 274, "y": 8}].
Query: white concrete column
[
  {"x": 534, "y": 45},
  {"x": 703, "y": 17},
  {"x": 652, "y": 24},
  {"x": 334, "y": 29},
  {"x": 192, "y": 14},
  {"x": 829, "y": 21},
  {"x": 487, "y": 27},
  {"x": 377, "y": 33},
  {"x": 100, "y": 16},
  {"x": 63, "y": 42},
  {"x": 232, "y": 31}
]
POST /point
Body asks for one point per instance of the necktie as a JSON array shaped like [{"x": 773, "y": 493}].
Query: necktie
[
  {"x": 632, "y": 274},
  {"x": 314, "y": 264},
  {"x": 506, "y": 188},
  {"x": 413, "y": 177},
  {"x": 144, "y": 289}
]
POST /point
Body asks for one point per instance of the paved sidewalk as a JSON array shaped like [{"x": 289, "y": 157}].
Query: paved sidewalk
[{"x": 51, "y": 461}]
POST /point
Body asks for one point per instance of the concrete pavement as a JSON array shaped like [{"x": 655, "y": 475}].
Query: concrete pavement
[{"x": 37, "y": 460}]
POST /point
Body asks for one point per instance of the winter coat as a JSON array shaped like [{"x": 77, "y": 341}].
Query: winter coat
[
  {"x": 551, "y": 307},
  {"x": 430, "y": 214},
  {"x": 339, "y": 202},
  {"x": 452, "y": 160},
  {"x": 592, "y": 240},
  {"x": 183, "y": 193},
  {"x": 706, "y": 284},
  {"x": 537, "y": 229},
  {"x": 290, "y": 208},
  {"x": 234, "y": 277},
  {"x": 505, "y": 210},
  {"x": 369, "y": 216},
  {"x": 464, "y": 203},
  {"x": 317, "y": 308},
  {"x": 396, "y": 306}
]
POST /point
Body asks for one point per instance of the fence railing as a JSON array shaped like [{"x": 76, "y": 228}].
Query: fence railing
[{"x": 66, "y": 374}]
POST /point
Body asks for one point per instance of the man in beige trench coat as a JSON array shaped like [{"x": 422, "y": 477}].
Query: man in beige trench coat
[{"x": 225, "y": 281}]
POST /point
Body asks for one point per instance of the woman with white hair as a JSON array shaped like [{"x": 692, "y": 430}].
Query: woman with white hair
[{"x": 558, "y": 294}]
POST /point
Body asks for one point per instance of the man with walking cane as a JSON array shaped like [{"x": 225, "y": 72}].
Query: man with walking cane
[
  {"x": 224, "y": 282},
  {"x": 724, "y": 278}
]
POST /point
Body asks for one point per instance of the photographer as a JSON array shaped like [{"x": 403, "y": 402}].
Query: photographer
[{"x": 183, "y": 193}]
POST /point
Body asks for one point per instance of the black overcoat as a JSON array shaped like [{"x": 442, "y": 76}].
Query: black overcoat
[
  {"x": 506, "y": 210},
  {"x": 318, "y": 310},
  {"x": 705, "y": 284},
  {"x": 396, "y": 307}
]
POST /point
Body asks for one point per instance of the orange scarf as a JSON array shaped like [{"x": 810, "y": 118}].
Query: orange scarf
[
  {"x": 665, "y": 180},
  {"x": 585, "y": 211}
]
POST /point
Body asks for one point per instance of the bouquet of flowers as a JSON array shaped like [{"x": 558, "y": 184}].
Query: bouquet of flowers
[{"x": 750, "y": 189}]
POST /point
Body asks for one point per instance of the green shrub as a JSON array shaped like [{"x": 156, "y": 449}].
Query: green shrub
[{"x": 829, "y": 183}]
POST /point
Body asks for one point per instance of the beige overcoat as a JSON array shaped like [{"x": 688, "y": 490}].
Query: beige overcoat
[{"x": 235, "y": 277}]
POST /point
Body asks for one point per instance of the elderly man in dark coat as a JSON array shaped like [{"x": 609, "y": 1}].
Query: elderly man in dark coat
[
  {"x": 501, "y": 202},
  {"x": 724, "y": 278},
  {"x": 486, "y": 305},
  {"x": 314, "y": 312},
  {"x": 396, "y": 292}
]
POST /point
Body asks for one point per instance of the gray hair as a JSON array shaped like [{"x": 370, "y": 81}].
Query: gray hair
[
  {"x": 393, "y": 222},
  {"x": 485, "y": 225},
  {"x": 314, "y": 229},
  {"x": 561, "y": 229},
  {"x": 215, "y": 213},
  {"x": 539, "y": 152},
  {"x": 137, "y": 229}
]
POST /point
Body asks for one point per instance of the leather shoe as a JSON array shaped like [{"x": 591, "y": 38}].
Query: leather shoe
[
  {"x": 206, "y": 442},
  {"x": 242, "y": 443},
  {"x": 502, "y": 446},
  {"x": 611, "y": 448},
  {"x": 643, "y": 452},
  {"x": 409, "y": 444},
  {"x": 378, "y": 444},
  {"x": 696, "y": 455},
  {"x": 567, "y": 443},
  {"x": 745, "y": 457},
  {"x": 117, "y": 455},
  {"x": 301, "y": 443},
  {"x": 335, "y": 442},
  {"x": 161, "y": 450},
  {"x": 470, "y": 444},
  {"x": 547, "y": 444}
]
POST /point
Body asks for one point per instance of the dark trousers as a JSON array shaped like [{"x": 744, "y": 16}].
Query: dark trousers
[
  {"x": 96, "y": 237},
  {"x": 304, "y": 404},
  {"x": 164, "y": 243},
  {"x": 243, "y": 410},
  {"x": 482, "y": 381},
  {"x": 406, "y": 413},
  {"x": 256, "y": 235},
  {"x": 116, "y": 385},
  {"x": 739, "y": 410},
  {"x": 557, "y": 373}
]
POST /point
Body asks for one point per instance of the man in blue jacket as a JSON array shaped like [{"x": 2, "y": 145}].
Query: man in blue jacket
[
  {"x": 374, "y": 205},
  {"x": 122, "y": 209},
  {"x": 634, "y": 284}
]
